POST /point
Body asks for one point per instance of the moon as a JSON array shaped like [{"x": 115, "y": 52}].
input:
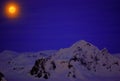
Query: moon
[{"x": 12, "y": 10}]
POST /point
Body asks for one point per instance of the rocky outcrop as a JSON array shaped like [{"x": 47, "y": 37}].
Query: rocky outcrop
[
  {"x": 2, "y": 77},
  {"x": 40, "y": 70}
]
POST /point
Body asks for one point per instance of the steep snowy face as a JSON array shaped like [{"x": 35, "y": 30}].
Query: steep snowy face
[
  {"x": 81, "y": 47},
  {"x": 78, "y": 61},
  {"x": 101, "y": 63},
  {"x": 90, "y": 58}
]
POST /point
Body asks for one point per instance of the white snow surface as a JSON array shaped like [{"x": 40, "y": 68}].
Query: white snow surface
[{"x": 92, "y": 64}]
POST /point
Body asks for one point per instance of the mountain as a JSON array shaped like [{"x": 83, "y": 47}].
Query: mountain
[
  {"x": 2, "y": 77},
  {"x": 101, "y": 61},
  {"x": 80, "y": 62}
]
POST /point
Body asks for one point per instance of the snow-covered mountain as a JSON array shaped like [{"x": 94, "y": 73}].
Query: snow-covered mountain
[
  {"x": 80, "y": 62},
  {"x": 89, "y": 56}
]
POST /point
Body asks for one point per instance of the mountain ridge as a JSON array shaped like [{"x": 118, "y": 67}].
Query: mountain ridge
[{"x": 82, "y": 61}]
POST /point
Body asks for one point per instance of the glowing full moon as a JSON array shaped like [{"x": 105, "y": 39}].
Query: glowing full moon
[{"x": 12, "y": 10}]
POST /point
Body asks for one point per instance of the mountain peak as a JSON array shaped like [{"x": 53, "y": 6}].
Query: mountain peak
[
  {"x": 104, "y": 50},
  {"x": 80, "y": 47},
  {"x": 81, "y": 43},
  {"x": 8, "y": 52},
  {"x": 84, "y": 45}
]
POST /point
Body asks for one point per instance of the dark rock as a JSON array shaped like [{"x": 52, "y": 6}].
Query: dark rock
[
  {"x": 83, "y": 62},
  {"x": 39, "y": 74},
  {"x": 104, "y": 64},
  {"x": 96, "y": 59},
  {"x": 1, "y": 76},
  {"x": 79, "y": 49},
  {"x": 74, "y": 76},
  {"x": 116, "y": 63},
  {"x": 53, "y": 64},
  {"x": 69, "y": 74},
  {"x": 70, "y": 66},
  {"x": 88, "y": 68},
  {"x": 88, "y": 44},
  {"x": 109, "y": 67},
  {"x": 46, "y": 75},
  {"x": 34, "y": 70},
  {"x": 39, "y": 68}
]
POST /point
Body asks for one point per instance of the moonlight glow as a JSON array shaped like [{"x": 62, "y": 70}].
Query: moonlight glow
[{"x": 12, "y": 10}]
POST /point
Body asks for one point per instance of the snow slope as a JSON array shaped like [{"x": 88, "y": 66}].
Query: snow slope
[{"x": 80, "y": 62}]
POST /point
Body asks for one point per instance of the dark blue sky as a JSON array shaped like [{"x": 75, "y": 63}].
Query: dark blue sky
[{"x": 54, "y": 24}]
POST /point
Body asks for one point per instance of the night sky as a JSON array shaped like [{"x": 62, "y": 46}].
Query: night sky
[{"x": 55, "y": 24}]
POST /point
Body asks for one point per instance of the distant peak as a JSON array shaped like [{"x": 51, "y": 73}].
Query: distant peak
[
  {"x": 104, "y": 50},
  {"x": 81, "y": 43},
  {"x": 8, "y": 51}
]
